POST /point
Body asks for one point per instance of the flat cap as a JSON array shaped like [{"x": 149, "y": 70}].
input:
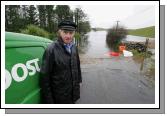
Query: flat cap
[{"x": 67, "y": 25}]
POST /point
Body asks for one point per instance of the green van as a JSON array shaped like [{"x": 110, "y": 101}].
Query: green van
[{"x": 23, "y": 56}]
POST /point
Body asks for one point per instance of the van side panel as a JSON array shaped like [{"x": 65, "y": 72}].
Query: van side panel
[{"x": 22, "y": 66}]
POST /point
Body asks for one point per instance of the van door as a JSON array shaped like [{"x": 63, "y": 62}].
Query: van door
[{"x": 22, "y": 66}]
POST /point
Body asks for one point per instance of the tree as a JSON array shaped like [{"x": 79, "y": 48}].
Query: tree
[
  {"x": 23, "y": 16},
  {"x": 32, "y": 15},
  {"x": 7, "y": 17},
  {"x": 79, "y": 17},
  {"x": 17, "y": 17},
  {"x": 84, "y": 27},
  {"x": 12, "y": 16},
  {"x": 42, "y": 15},
  {"x": 50, "y": 17},
  {"x": 63, "y": 12}
]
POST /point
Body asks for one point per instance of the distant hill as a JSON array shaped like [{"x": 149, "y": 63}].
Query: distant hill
[
  {"x": 145, "y": 32},
  {"x": 99, "y": 29}
]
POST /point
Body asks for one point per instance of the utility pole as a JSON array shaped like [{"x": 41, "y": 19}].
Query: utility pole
[{"x": 117, "y": 25}]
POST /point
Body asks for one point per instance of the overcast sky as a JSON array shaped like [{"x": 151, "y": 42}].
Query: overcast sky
[{"x": 131, "y": 16}]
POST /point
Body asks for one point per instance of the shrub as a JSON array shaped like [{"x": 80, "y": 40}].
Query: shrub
[
  {"x": 115, "y": 36},
  {"x": 77, "y": 36},
  {"x": 35, "y": 30}
]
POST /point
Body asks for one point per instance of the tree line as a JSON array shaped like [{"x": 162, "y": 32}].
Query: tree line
[{"x": 47, "y": 17}]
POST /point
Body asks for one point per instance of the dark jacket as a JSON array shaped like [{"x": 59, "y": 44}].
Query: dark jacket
[{"x": 60, "y": 74}]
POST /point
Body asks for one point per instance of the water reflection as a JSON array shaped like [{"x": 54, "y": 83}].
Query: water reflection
[
  {"x": 111, "y": 46},
  {"x": 83, "y": 44},
  {"x": 93, "y": 44}
]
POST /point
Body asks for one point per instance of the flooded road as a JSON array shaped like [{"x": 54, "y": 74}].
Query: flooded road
[{"x": 111, "y": 80}]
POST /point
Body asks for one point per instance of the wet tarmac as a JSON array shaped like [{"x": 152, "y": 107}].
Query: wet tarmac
[{"x": 114, "y": 80}]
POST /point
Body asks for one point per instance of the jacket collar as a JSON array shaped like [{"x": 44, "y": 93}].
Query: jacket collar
[{"x": 60, "y": 41}]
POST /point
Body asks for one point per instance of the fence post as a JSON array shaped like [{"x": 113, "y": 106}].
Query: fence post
[{"x": 145, "y": 47}]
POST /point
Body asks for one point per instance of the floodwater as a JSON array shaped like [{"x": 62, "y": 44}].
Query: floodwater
[
  {"x": 112, "y": 80},
  {"x": 136, "y": 38},
  {"x": 93, "y": 44}
]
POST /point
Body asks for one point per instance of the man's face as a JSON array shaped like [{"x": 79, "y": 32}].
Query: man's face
[{"x": 67, "y": 36}]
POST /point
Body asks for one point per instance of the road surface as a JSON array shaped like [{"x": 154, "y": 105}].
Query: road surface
[{"x": 114, "y": 80}]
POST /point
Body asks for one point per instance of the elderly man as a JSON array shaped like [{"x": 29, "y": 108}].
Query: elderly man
[{"x": 60, "y": 71}]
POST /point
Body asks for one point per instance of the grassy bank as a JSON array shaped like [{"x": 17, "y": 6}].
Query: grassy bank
[{"x": 145, "y": 32}]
